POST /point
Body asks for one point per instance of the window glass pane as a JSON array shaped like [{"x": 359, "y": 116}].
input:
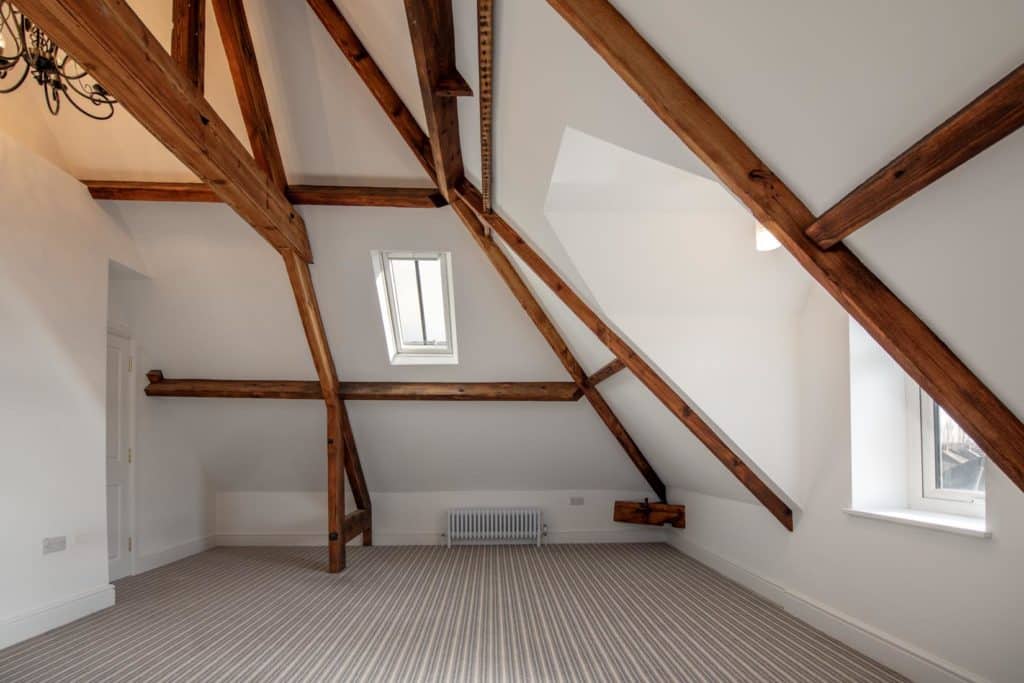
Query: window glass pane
[
  {"x": 432, "y": 289},
  {"x": 959, "y": 462},
  {"x": 407, "y": 303}
]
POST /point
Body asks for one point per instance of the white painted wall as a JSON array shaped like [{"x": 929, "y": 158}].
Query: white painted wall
[
  {"x": 57, "y": 245},
  {"x": 419, "y": 518},
  {"x": 669, "y": 256},
  {"x": 932, "y": 604},
  {"x": 173, "y": 496}
]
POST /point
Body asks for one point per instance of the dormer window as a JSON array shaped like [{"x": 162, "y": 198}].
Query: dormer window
[{"x": 417, "y": 306}]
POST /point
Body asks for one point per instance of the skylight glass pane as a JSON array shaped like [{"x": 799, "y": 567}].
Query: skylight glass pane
[
  {"x": 960, "y": 462},
  {"x": 432, "y": 290},
  {"x": 407, "y": 301}
]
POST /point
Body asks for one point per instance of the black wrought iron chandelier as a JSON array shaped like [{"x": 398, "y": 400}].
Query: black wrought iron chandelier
[{"x": 25, "y": 49}]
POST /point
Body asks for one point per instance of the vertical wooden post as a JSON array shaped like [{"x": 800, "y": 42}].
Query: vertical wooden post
[
  {"x": 336, "y": 457},
  {"x": 188, "y": 39}
]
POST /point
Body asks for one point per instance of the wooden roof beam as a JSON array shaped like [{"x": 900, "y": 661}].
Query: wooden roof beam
[
  {"x": 554, "y": 339},
  {"x": 352, "y": 48},
  {"x": 623, "y": 351},
  {"x": 362, "y": 391},
  {"x": 341, "y": 457},
  {"x": 113, "y": 44},
  {"x": 995, "y": 114},
  {"x": 939, "y": 372},
  {"x": 321, "y": 195},
  {"x": 485, "y": 56},
  {"x": 188, "y": 39},
  {"x": 433, "y": 42},
  {"x": 252, "y": 99}
]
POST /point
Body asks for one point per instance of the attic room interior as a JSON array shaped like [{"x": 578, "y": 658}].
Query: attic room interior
[{"x": 511, "y": 340}]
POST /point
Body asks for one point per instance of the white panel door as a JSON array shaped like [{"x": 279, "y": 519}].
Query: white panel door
[{"x": 119, "y": 479}]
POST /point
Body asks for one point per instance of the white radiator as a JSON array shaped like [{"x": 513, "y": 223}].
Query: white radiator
[{"x": 494, "y": 526}]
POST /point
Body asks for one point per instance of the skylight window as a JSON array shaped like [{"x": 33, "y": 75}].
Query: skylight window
[{"x": 416, "y": 306}]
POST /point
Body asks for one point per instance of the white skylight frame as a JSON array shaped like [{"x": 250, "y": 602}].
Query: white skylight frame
[{"x": 400, "y": 353}]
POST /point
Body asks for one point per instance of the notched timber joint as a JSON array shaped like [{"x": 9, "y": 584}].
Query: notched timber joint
[{"x": 654, "y": 514}]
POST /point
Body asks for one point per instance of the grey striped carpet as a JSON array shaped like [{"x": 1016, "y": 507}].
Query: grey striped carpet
[{"x": 641, "y": 612}]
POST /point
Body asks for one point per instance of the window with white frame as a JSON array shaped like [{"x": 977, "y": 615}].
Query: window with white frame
[
  {"x": 947, "y": 467},
  {"x": 417, "y": 306},
  {"x": 909, "y": 458}
]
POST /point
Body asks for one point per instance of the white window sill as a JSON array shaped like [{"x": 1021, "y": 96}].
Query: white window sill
[
  {"x": 954, "y": 524},
  {"x": 424, "y": 359}
]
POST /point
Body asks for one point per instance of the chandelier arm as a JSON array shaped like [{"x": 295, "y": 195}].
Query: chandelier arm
[
  {"x": 59, "y": 75},
  {"x": 17, "y": 83}
]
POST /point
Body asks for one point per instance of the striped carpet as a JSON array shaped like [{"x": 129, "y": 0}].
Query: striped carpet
[{"x": 642, "y": 612}]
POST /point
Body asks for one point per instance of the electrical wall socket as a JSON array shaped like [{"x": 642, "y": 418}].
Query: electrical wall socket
[
  {"x": 54, "y": 544},
  {"x": 576, "y": 500}
]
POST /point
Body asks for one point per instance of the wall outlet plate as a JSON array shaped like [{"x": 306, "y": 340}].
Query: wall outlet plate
[
  {"x": 576, "y": 500},
  {"x": 54, "y": 544}
]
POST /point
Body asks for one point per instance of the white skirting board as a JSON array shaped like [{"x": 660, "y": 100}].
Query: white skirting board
[
  {"x": 42, "y": 619},
  {"x": 902, "y": 657}
]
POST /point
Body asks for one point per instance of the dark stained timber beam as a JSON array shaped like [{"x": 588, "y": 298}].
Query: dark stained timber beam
[
  {"x": 421, "y": 147},
  {"x": 611, "y": 368},
  {"x": 543, "y": 323},
  {"x": 245, "y": 74},
  {"x": 460, "y": 391},
  {"x": 637, "y": 365},
  {"x": 655, "y": 514},
  {"x": 342, "y": 454},
  {"x": 400, "y": 197},
  {"x": 939, "y": 372},
  {"x": 995, "y": 114},
  {"x": 452, "y": 85},
  {"x": 363, "y": 391},
  {"x": 113, "y": 44},
  {"x": 350, "y": 45},
  {"x": 188, "y": 39},
  {"x": 322, "y": 195},
  {"x": 485, "y": 56},
  {"x": 356, "y": 523},
  {"x": 433, "y": 45}
]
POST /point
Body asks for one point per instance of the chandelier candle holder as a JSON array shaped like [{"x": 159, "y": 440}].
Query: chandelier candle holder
[{"x": 25, "y": 50}]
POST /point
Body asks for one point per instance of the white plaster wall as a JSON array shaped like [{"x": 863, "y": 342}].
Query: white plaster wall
[
  {"x": 418, "y": 518},
  {"x": 948, "y": 602},
  {"x": 173, "y": 494},
  {"x": 57, "y": 245}
]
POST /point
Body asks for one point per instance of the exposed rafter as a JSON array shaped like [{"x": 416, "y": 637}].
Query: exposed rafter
[
  {"x": 995, "y": 114},
  {"x": 917, "y": 349},
  {"x": 624, "y": 352},
  {"x": 188, "y": 39},
  {"x": 551, "y": 334},
  {"x": 342, "y": 454},
  {"x": 252, "y": 99},
  {"x": 109, "y": 40},
  {"x": 325, "y": 195},
  {"x": 350, "y": 45},
  {"x": 433, "y": 45},
  {"x": 485, "y": 56},
  {"x": 430, "y": 24},
  {"x": 414, "y": 136}
]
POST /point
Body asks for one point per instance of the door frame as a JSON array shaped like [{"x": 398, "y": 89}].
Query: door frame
[{"x": 122, "y": 332}]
